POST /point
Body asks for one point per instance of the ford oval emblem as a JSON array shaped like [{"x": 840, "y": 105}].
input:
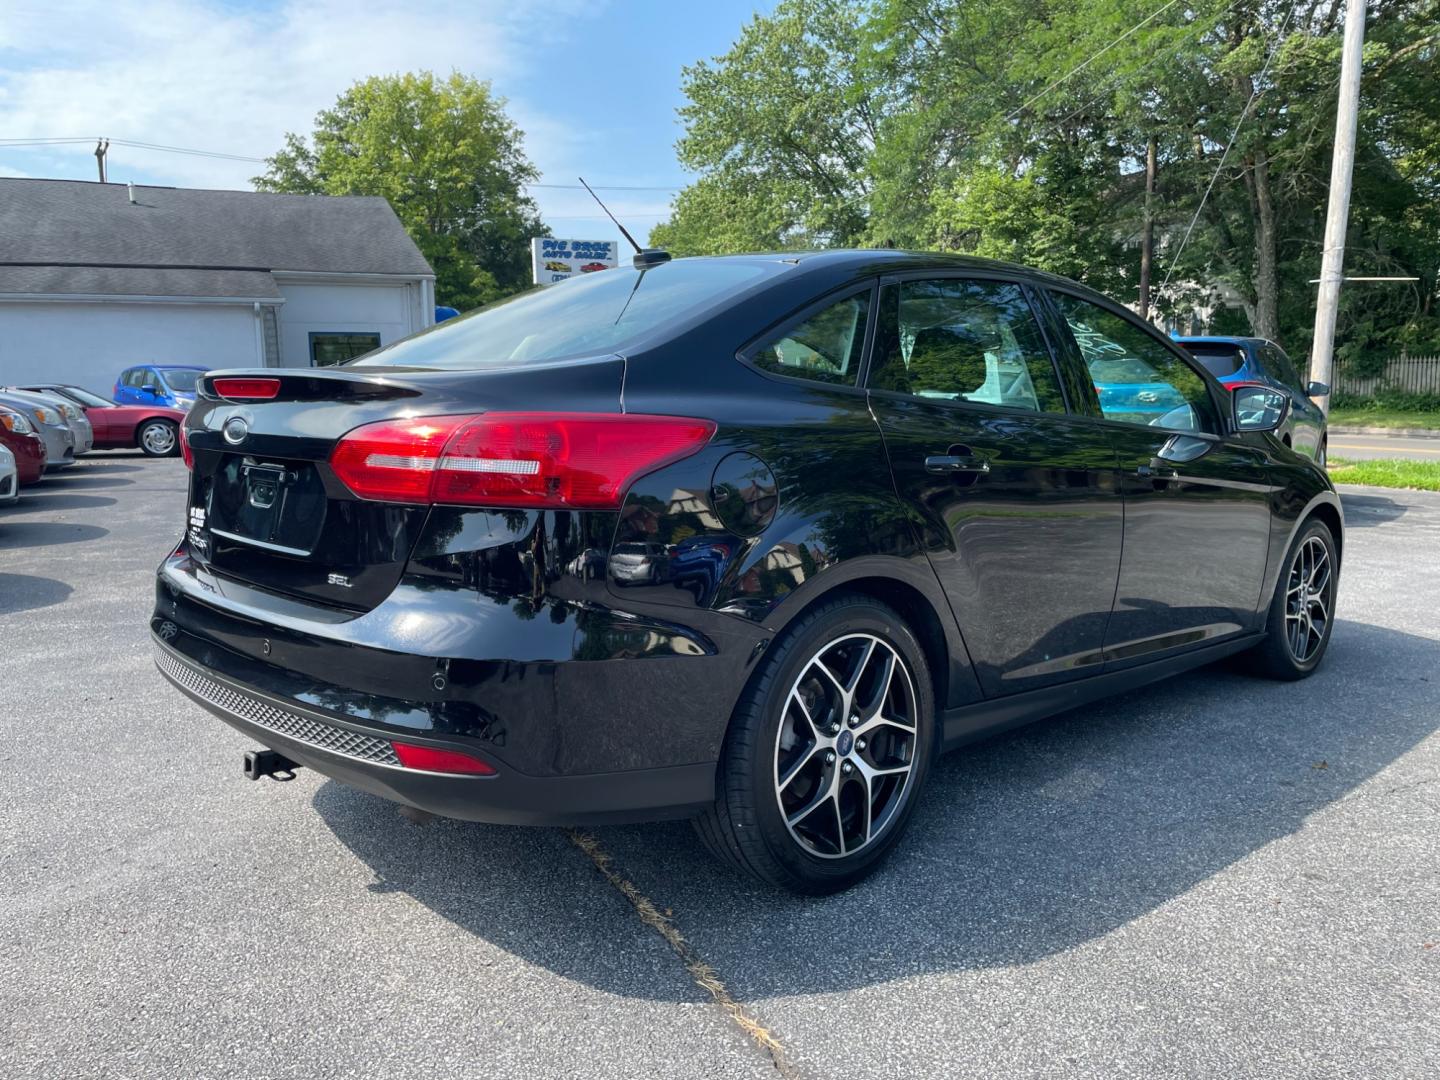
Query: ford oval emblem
[{"x": 235, "y": 430}]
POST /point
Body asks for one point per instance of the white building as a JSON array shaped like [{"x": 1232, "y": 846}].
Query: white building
[{"x": 95, "y": 278}]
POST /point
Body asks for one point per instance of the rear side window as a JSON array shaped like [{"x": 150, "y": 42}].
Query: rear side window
[
  {"x": 1219, "y": 360},
  {"x": 825, "y": 346},
  {"x": 950, "y": 339},
  {"x": 1281, "y": 367},
  {"x": 596, "y": 313}
]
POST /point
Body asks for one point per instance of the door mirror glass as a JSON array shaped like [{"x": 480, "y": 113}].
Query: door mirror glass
[
  {"x": 1259, "y": 408},
  {"x": 1317, "y": 389}
]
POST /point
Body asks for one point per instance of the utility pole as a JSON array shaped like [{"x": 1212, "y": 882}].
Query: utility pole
[
  {"x": 1147, "y": 237},
  {"x": 1342, "y": 166},
  {"x": 102, "y": 146}
]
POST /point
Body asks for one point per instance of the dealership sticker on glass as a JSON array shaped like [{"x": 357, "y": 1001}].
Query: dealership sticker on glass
[{"x": 556, "y": 260}]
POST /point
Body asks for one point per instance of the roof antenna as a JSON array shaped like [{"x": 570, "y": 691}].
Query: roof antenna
[{"x": 645, "y": 258}]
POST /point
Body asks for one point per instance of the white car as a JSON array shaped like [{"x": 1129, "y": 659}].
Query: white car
[{"x": 9, "y": 477}]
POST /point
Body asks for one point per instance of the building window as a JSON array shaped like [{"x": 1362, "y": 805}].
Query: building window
[{"x": 327, "y": 349}]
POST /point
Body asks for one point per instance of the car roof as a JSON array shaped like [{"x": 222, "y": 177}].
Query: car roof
[{"x": 1221, "y": 339}]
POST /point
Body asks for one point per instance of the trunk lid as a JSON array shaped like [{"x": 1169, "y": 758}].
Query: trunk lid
[{"x": 267, "y": 509}]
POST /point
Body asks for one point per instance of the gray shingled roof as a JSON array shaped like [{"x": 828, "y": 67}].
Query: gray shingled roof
[
  {"x": 136, "y": 281},
  {"x": 62, "y": 236}
]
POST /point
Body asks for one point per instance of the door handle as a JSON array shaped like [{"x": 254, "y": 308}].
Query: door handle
[
  {"x": 956, "y": 463},
  {"x": 1156, "y": 472}
]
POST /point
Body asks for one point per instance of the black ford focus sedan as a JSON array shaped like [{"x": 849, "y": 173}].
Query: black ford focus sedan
[{"x": 748, "y": 540}]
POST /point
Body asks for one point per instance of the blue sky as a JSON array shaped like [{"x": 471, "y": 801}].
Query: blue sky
[{"x": 595, "y": 85}]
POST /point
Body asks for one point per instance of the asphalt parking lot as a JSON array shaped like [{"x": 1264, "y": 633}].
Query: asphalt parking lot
[{"x": 1216, "y": 877}]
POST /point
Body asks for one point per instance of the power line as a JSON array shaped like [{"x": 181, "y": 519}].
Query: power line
[
  {"x": 1254, "y": 93},
  {"x": 1091, "y": 59},
  {"x": 193, "y": 152}
]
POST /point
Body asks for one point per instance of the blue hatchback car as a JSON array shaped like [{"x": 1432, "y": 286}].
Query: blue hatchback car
[
  {"x": 158, "y": 384},
  {"x": 1235, "y": 360}
]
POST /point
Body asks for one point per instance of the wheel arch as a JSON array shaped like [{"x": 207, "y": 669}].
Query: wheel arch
[{"x": 895, "y": 583}]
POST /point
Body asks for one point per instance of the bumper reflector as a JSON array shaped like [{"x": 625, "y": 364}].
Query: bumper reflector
[{"x": 429, "y": 759}]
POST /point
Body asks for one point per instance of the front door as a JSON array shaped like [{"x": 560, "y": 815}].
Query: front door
[
  {"x": 1017, "y": 502},
  {"x": 1197, "y": 500}
]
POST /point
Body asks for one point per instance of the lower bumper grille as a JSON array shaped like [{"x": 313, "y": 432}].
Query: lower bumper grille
[{"x": 292, "y": 725}]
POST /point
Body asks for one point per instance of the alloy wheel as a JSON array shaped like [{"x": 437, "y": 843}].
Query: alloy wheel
[
  {"x": 1309, "y": 592},
  {"x": 846, "y": 746},
  {"x": 158, "y": 439}
]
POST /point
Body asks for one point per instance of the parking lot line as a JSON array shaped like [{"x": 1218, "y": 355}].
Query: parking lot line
[{"x": 700, "y": 972}]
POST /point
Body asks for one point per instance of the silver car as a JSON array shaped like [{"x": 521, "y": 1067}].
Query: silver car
[
  {"x": 50, "y": 422},
  {"x": 9, "y": 477},
  {"x": 74, "y": 415}
]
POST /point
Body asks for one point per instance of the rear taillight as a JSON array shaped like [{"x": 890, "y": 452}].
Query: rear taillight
[
  {"x": 429, "y": 759},
  {"x": 536, "y": 460},
  {"x": 234, "y": 389},
  {"x": 186, "y": 453}
]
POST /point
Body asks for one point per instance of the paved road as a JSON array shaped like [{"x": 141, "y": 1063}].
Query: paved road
[
  {"x": 1384, "y": 446},
  {"x": 1218, "y": 877}
]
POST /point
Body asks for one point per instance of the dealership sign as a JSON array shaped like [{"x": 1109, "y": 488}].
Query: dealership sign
[{"x": 556, "y": 260}]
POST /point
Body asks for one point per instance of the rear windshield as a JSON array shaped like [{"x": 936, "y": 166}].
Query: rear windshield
[
  {"x": 599, "y": 312},
  {"x": 1218, "y": 360},
  {"x": 180, "y": 379}
]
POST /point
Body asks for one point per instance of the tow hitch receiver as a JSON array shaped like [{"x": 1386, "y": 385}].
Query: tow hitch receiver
[{"x": 260, "y": 763}]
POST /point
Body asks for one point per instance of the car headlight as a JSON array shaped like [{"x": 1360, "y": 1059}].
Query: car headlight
[
  {"x": 46, "y": 415},
  {"x": 70, "y": 411},
  {"x": 13, "y": 421}
]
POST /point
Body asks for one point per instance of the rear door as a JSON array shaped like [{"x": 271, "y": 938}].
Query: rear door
[
  {"x": 1197, "y": 499},
  {"x": 1306, "y": 423},
  {"x": 1015, "y": 499}
]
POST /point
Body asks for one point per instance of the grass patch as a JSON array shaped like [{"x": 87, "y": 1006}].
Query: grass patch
[
  {"x": 1408, "y": 418},
  {"x": 1389, "y": 472}
]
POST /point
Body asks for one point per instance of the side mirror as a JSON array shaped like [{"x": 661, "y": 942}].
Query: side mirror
[
  {"x": 1258, "y": 407},
  {"x": 150, "y": 388},
  {"x": 1317, "y": 389}
]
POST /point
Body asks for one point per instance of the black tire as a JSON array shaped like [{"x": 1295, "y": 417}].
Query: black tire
[
  {"x": 158, "y": 438},
  {"x": 1278, "y": 657},
  {"x": 746, "y": 826}
]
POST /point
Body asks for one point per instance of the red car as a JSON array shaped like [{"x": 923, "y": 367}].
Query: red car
[
  {"x": 17, "y": 433},
  {"x": 154, "y": 429},
  {"x": 590, "y": 268}
]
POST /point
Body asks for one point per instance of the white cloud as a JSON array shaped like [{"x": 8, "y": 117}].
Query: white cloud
[{"x": 215, "y": 76}]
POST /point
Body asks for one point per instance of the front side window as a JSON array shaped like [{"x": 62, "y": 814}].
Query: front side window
[
  {"x": 327, "y": 350},
  {"x": 823, "y": 347},
  {"x": 950, "y": 339},
  {"x": 1137, "y": 379}
]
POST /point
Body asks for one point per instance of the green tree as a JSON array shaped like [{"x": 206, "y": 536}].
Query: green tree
[
  {"x": 1018, "y": 129},
  {"x": 448, "y": 159}
]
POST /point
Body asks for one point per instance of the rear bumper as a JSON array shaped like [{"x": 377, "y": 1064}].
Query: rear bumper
[{"x": 360, "y": 755}]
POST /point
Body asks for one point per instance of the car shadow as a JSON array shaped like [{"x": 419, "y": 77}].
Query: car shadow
[
  {"x": 1365, "y": 510},
  {"x": 58, "y": 500},
  {"x": 23, "y": 534},
  {"x": 75, "y": 480},
  {"x": 1023, "y": 846},
  {"x": 22, "y": 592}
]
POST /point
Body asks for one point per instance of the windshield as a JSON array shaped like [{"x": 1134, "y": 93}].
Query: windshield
[
  {"x": 84, "y": 397},
  {"x": 181, "y": 379},
  {"x": 600, "y": 312}
]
